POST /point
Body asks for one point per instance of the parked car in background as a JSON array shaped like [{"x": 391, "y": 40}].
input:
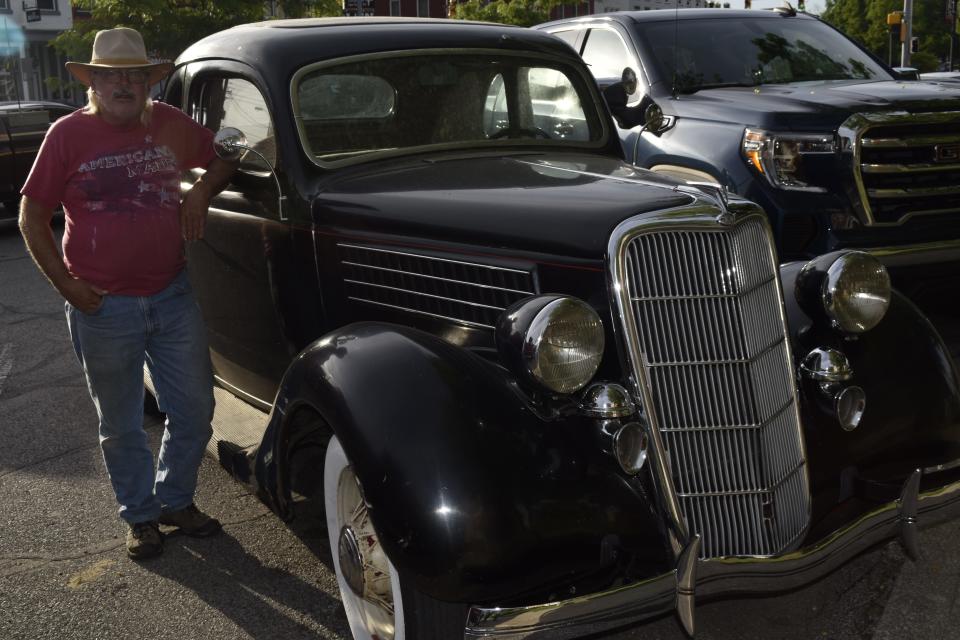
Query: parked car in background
[
  {"x": 788, "y": 112},
  {"x": 539, "y": 391},
  {"x": 22, "y": 127}
]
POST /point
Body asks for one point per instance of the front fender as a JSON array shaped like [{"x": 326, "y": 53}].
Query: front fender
[
  {"x": 912, "y": 414},
  {"x": 472, "y": 492}
]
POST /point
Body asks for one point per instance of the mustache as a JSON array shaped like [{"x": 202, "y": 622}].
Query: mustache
[{"x": 122, "y": 93}]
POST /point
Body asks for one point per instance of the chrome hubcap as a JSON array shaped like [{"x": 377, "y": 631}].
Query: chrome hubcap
[{"x": 351, "y": 562}]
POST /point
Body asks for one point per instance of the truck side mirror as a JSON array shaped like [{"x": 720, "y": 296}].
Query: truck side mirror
[
  {"x": 616, "y": 96},
  {"x": 629, "y": 80}
]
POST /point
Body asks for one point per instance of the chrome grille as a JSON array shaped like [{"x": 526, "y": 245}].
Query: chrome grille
[
  {"x": 470, "y": 293},
  {"x": 705, "y": 301},
  {"x": 906, "y": 164}
]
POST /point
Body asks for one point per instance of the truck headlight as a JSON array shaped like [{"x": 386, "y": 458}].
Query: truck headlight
[
  {"x": 555, "y": 341},
  {"x": 851, "y": 288},
  {"x": 784, "y": 158}
]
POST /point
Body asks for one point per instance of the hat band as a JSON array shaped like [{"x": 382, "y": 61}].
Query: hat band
[{"x": 117, "y": 61}]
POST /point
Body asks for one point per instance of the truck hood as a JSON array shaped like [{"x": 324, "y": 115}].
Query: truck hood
[
  {"x": 561, "y": 204},
  {"x": 811, "y": 105}
]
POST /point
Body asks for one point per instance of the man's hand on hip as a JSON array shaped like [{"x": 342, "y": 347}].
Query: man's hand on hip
[{"x": 81, "y": 294}]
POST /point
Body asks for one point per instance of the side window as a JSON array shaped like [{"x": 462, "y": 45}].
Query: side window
[
  {"x": 605, "y": 53},
  {"x": 235, "y": 102},
  {"x": 546, "y": 104},
  {"x": 556, "y": 105},
  {"x": 495, "y": 116},
  {"x": 569, "y": 36}
]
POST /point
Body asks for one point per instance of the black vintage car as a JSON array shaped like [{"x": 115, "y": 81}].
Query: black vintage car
[{"x": 541, "y": 392}]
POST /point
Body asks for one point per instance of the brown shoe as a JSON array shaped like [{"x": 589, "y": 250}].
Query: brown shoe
[
  {"x": 144, "y": 540},
  {"x": 192, "y": 522}
]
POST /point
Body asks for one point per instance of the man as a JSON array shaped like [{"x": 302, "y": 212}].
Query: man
[{"x": 115, "y": 166}]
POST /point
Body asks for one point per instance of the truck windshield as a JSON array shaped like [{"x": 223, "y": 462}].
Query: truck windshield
[
  {"x": 406, "y": 101},
  {"x": 724, "y": 52}
]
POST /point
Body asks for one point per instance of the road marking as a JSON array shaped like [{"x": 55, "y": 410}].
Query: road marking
[
  {"x": 89, "y": 574},
  {"x": 6, "y": 364}
]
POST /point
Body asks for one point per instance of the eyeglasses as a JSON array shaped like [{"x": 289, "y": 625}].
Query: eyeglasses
[{"x": 115, "y": 76}]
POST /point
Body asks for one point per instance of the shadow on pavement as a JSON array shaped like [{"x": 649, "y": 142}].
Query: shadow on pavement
[{"x": 262, "y": 600}]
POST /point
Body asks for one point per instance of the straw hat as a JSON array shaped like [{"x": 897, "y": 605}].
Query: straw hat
[{"x": 119, "y": 48}]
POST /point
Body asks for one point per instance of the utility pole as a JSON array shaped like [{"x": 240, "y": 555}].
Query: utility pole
[{"x": 907, "y": 33}]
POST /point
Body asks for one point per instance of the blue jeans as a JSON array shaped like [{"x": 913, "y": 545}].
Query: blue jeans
[{"x": 166, "y": 332}]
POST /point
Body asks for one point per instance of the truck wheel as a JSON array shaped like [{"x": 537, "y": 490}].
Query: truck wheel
[{"x": 380, "y": 604}]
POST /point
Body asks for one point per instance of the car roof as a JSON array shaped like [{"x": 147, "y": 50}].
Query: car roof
[
  {"x": 665, "y": 15},
  {"x": 293, "y": 43}
]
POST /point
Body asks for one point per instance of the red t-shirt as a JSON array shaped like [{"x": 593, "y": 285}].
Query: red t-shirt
[{"x": 120, "y": 190}]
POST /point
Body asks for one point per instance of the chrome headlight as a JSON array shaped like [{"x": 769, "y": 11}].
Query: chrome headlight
[
  {"x": 851, "y": 288},
  {"x": 784, "y": 158},
  {"x": 555, "y": 341},
  {"x": 856, "y": 292}
]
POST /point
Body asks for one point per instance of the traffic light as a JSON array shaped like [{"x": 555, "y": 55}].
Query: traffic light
[{"x": 914, "y": 44}]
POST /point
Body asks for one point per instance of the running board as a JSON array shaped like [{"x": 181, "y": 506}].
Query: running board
[{"x": 237, "y": 431}]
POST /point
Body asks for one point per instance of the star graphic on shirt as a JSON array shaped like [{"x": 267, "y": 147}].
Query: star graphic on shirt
[
  {"x": 148, "y": 138},
  {"x": 165, "y": 196},
  {"x": 145, "y": 187}
]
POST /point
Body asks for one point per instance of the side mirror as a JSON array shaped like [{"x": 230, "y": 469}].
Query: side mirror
[
  {"x": 629, "y": 80},
  {"x": 653, "y": 120},
  {"x": 231, "y": 144}
]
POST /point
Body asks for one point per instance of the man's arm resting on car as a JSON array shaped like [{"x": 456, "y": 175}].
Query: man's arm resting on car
[{"x": 193, "y": 209}]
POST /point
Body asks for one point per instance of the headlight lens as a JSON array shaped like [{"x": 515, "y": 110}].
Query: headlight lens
[
  {"x": 784, "y": 158},
  {"x": 564, "y": 345},
  {"x": 856, "y": 292}
]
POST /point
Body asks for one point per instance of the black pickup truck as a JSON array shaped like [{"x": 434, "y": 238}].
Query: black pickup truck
[
  {"x": 788, "y": 112},
  {"x": 22, "y": 127}
]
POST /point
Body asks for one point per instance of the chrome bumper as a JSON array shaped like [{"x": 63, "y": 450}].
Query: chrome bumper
[{"x": 676, "y": 589}]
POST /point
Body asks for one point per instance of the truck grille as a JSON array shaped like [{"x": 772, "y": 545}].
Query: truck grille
[
  {"x": 706, "y": 304},
  {"x": 906, "y": 164}
]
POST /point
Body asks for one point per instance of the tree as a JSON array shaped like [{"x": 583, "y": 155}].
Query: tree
[
  {"x": 866, "y": 21},
  {"x": 170, "y": 26},
  {"x": 524, "y": 13}
]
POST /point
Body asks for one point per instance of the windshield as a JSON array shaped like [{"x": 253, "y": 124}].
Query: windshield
[
  {"x": 713, "y": 53},
  {"x": 394, "y": 103}
]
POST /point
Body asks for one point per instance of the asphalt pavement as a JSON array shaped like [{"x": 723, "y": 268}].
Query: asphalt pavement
[{"x": 64, "y": 573}]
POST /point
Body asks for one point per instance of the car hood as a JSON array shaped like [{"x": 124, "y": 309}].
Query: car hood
[
  {"x": 812, "y": 104},
  {"x": 561, "y": 203}
]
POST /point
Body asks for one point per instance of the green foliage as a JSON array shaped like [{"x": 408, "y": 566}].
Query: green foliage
[
  {"x": 170, "y": 26},
  {"x": 524, "y": 13},
  {"x": 866, "y": 21}
]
